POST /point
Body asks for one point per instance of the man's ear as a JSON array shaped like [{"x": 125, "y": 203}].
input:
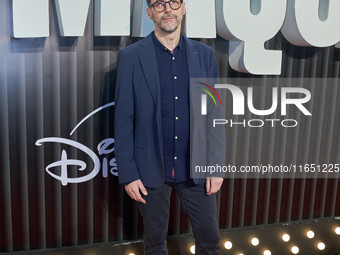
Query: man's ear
[
  {"x": 148, "y": 11},
  {"x": 184, "y": 9}
]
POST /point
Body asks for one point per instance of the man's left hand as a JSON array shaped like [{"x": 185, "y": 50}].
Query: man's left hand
[{"x": 213, "y": 185}]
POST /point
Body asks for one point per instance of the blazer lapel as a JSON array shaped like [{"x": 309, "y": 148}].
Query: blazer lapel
[{"x": 147, "y": 57}]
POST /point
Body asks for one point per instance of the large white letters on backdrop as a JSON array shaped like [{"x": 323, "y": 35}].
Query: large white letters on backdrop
[
  {"x": 70, "y": 24},
  {"x": 108, "y": 16},
  {"x": 246, "y": 32},
  {"x": 303, "y": 26},
  {"x": 198, "y": 23},
  {"x": 30, "y": 18}
]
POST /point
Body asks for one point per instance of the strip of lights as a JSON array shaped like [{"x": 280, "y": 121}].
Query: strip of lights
[{"x": 254, "y": 241}]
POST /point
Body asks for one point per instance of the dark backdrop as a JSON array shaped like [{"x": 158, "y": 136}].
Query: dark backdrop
[{"x": 47, "y": 85}]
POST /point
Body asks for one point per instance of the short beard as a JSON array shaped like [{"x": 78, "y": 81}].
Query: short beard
[{"x": 166, "y": 29}]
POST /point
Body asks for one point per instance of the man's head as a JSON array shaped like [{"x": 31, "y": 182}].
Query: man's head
[{"x": 167, "y": 15}]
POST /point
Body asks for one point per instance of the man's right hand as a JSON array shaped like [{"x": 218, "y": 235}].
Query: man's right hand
[{"x": 133, "y": 189}]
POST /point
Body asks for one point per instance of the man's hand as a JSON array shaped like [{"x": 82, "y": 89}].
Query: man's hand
[
  {"x": 213, "y": 184},
  {"x": 133, "y": 190}
]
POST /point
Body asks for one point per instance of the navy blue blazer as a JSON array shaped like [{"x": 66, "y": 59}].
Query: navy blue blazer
[{"x": 138, "y": 131}]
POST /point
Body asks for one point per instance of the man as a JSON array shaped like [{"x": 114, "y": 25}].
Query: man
[{"x": 153, "y": 133}]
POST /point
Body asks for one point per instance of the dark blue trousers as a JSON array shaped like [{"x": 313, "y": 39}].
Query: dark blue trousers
[{"x": 200, "y": 209}]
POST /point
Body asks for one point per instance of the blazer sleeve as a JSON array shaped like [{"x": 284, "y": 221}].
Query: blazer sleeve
[
  {"x": 216, "y": 135},
  {"x": 124, "y": 121}
]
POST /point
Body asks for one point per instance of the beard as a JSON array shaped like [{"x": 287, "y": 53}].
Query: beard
[{"x": 170, "y": 26}]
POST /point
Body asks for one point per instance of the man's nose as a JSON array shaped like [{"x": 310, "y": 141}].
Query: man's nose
[{"x": 167, "y": 8}]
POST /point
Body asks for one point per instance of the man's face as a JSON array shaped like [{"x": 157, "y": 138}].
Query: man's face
[{"x": 168, "y": 20}]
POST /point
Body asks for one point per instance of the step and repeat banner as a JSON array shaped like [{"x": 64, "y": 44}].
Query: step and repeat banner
[{"x": 280, "y": 61}]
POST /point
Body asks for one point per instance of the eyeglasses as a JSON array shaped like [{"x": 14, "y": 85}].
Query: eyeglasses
[{"x": 160, "y": 6}]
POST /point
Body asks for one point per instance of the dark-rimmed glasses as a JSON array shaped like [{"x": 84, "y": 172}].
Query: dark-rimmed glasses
[{"x": 160, "y": 6}]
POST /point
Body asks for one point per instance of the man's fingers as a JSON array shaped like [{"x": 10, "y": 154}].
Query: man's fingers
[
  {"x": 214, "y": 185},
  {"x": 133, "y": 189},
  {"x": 135, "y": 195},
  {"x": 207, "y": 185},
  {"x": 143, "y": 189},
  {"x": 131, "y": 194},
  {"x": 140, "y": 199},
  {"x": 212, "y": 191}
]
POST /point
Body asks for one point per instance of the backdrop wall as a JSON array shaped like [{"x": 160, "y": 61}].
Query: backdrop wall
[{"x": 49, "y": 85}]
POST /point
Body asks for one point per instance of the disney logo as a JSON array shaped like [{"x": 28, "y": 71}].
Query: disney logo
[{"x": 105, "y": 147}]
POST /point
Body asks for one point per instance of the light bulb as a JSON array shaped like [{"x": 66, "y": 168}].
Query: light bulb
[
  {"x": 337, "y": 231},
  {"x": 228, "y": 245},
  {"x": 321, "y": 246},
  {"x": 285, "y": 237},
  {"x": 310, "y": 234},
  {"x": 267, "y": 252},
  {"x": 255, "y": 241},
  {"x": 192, "y": 249},
  {"x": 295, "y": 250}
]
